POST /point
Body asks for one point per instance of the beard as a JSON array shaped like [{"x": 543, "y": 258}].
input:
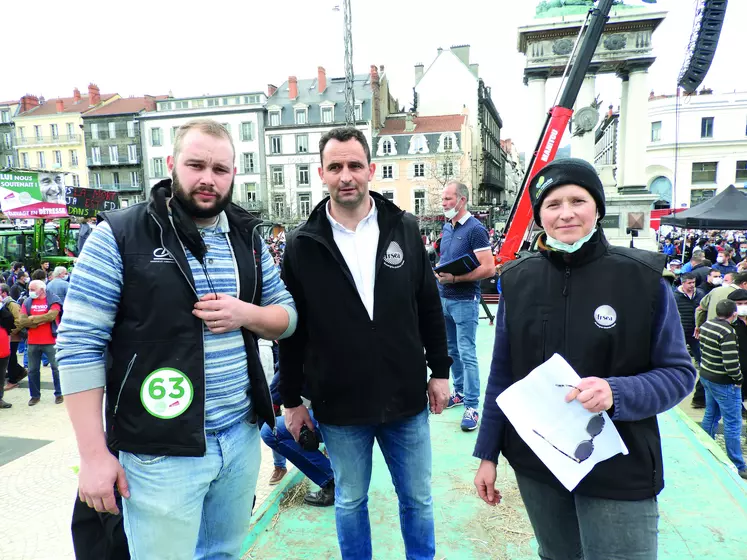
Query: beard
[
  {"x": 349, "y": 201},
  {"x": 192, "y": 208}
]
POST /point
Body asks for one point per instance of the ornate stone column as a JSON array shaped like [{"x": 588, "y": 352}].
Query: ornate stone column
[
  {"x": 538, "y": 105},
  {"x": 622, "y": 128},
  {"x": 636, "y": 120}
]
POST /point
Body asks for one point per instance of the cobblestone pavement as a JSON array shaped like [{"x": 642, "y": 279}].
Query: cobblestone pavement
[{"x": 37, "y": 490}]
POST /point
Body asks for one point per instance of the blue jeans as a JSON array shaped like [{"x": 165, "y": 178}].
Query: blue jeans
[
  {"x": 182, "y": 508},
  {"x": 34, "y": 352},
  {"x": 406, "y": 446},
  {"x": 313, "y": 464},
  {"x": 461, "y": 333},
  {"x": 569, "y": 526},
  {"x": 725, "y": 401}
]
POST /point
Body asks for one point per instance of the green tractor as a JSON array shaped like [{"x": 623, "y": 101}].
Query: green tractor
[{"x": 45, "y": 241}]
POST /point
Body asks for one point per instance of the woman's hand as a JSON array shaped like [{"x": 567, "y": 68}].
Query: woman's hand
[
  {"x": 485, "y": 483},
  {"x": 593, "y": 393}
]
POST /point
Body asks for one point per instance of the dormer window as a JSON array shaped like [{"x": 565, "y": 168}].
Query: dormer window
[
  {"x": 274, "y": 117},
  {"x": 327, "y": 114},
  {"x": 386, "y": 147},
  {"x": 358, "y": 112},
  {"x": 448, "y": 142},
  {"x": 418, "y": 144},
  {"x": 301, "y": 115}
]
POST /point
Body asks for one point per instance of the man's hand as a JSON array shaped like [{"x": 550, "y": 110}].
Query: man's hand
[
  {"x": 438, "y": 394},
  {"x": 485, "y": 483},
  {"x": 696, "y": 334},
  {"x": 446, "y": 278},
  {"x": 221, "y": 313},
  {"x": 96, "y": 482},
  {"x": 593, "y": 393},
  {"x": 295, "y": 418}
]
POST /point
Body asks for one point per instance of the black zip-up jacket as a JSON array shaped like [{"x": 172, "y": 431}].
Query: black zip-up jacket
[
  {"x": 686, "y": 307},
  {"x": 358, "y": 370},
  {"x": 155, "y": 328}
]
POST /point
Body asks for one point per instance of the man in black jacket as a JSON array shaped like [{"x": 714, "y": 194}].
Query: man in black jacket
[
  {"x": 687, "y": 297},
  {"x": 367, "y": 305}
]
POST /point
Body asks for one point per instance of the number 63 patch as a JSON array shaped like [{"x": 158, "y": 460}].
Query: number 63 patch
[{"x": 166, "y": 393}]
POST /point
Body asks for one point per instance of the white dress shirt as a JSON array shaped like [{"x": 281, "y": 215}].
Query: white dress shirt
[{"x": 358, "y": 248}]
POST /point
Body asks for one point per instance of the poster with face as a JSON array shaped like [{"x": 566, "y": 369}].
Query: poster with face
[{"x": 31, "y": 194}]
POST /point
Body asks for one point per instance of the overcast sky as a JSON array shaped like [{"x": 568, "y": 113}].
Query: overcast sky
[{"x": 222, "y": 46}]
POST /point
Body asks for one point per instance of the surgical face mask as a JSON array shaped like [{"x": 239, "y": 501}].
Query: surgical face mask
[
  {"x": 678, "y": 271},
  {"x": 720, "y": 259},
  {"x": 717, "y": 281},
  {"x": 742, "y": 310},
  {"x": 743, "y": 251},
  {"x": 33, "y": 295},
  {"x": 565, "y": 247},
  {"x": 451, "y": 212}
]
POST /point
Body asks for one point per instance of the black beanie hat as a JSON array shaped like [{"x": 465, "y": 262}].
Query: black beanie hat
[
  {"x": 737, "y": 295},
  {"x": 564, "y": 172}
]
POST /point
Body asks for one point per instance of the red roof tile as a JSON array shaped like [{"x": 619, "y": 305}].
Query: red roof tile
[
  {"x": 424, "y": 125},
  {"x": 69, "y": 105},
  {"x": 124, "y": 106},
  {"x": 14, "y": 102}
]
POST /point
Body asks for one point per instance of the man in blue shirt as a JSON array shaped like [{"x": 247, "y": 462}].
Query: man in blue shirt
[{"x": 460, "y": 297}]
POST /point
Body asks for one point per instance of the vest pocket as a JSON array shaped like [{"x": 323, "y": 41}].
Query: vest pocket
[{"x": 124, "y": 380}]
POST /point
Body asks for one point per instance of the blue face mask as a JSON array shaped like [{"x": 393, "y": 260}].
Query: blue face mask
[{"x": 565, "y": 247}]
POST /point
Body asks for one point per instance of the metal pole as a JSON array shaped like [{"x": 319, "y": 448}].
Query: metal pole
[{"x": 349, "y": 75}]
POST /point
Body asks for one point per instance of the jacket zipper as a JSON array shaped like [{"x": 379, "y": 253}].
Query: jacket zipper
[
  {"x": 121, "y": 387},
  {"x": 566, "y": 280}
]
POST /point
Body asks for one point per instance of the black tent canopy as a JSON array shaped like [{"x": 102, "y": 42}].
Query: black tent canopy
[{"x": 726, "y": 210}]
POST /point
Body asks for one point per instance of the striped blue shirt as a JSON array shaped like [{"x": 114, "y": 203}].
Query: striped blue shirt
[{"x": 91, "y": 307}]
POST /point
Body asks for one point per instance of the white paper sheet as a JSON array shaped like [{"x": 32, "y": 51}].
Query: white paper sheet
[{"x": 536, "y": 403}]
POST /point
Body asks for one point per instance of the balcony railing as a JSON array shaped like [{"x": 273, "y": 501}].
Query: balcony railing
[
  {"x": 39, "y": 140},
  {"x": 106, "y": 160},
  {"x": 119, "y": 187}
]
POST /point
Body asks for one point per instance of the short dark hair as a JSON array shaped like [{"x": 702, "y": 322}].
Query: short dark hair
[
  {"x": 39, "y": 274},
  {"x": 739, "y": 278},
  {"x": 713, "y": 270},
  {"x": 343, "y": 134},
  {"x": 17, "y": 266},
  {"x": 4, "y": 289},
  {"x": 688, "y": 276},
  {"x": 725, "y": 309}
]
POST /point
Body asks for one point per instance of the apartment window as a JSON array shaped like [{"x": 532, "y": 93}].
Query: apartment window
[
  {"x": 96, "y": 155},
  {"x": 113, "y": 154},
  {"x": 656, "y": 131},
  {"x": 70, "y": 130},
  {"x": 25, "y": 159},
  {"x": 21, "y": 133},
  {"x": 387, "y": 171},
  {"x": 251, "y": 191},
  {"x": 181, "y": 104},
  {"x": 9, "y": 160},
  {"x": 196, "y": 103},
  {"x": 54, "y": 130},
  {"x": 448, "y": 169},
  {"x": 300, "y": 116},
  {"x": 277, "y": 175},
  {"x": 157, "y": 167},
  {"x": 8, "y": 140},
  {"x": 448, "y": 143},
  {"x": 276, "y": 145},
  {"x": 155, "y": 137},
  {"x": 389, "y": 195},
  {"x": 94, "y": 131},
  {"x": 698, "y": 196},
  {"x": 419, "y": 199},
  {"x": 131, "y": 129},
  {"x": 274, "y": 118},
  {"x": 96, "y": 179},
  {"x": 247, "y": 163},
  {"x": 76, "y": 180},
  {"x": 706, "y": 127},
  {"x": 247, "y": 131},
  {"x": 304, "y": 204},
  {"x": 224, "y": 100},
  {"x": 134, "y": 178},
  {"x": 327, "y": 114},
  {"x": 742, "y": 171},
  {"x": 418, "y": 170},
  {"x": 418, "y": 144},
  {"x": 112, "y": 130},
  {"x": 278, "y": 204},
  {"x": 115, "y": 179},
  {"x": 38, "y": 132},
  {"x": 386, "y": 147},
  {"x": 303, "y": 174},
  {"x": 40, "y": 160},
  {"x": 302, "y": 143},
  {"x": 227, "y": 127},
  {"x": 358, "y": 112},
  {"x": 173, "y": 133},
  {"x": 248, "y": 99},
  {"x": 73, "y": 158},
  {"x": 704, "y": 172},
  {"x": 213, "y": 102},
  {"x": 5, "y": 116},
  {"x": 57, "y": 157},
  {"x": 132, "y": 153}
]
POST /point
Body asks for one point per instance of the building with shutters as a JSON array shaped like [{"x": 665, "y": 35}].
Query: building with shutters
[
  {"x": 416, "y": 157},
  {"x": 243, "y": 114},
  {"x": 8, "y": 155}
]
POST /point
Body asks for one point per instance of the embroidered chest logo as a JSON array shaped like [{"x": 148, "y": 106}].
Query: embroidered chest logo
[
  {"x": 605, "y": 317},
  {"x": 394, "y": 257},
  {"x": 161, "y": 255}
]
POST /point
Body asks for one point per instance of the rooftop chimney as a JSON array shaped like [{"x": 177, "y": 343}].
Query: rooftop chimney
[
  {"x": 271, "y": 89},
  {"x": 409, "y": 123},
  {"x": 462, "y": 51},
  {"x": 94, "y": 95},
  {"x": 60, "y": 105},
  {"x": 374, "y": 75},
  {"x": 28, "y": 102},
  {"x": 321, "y": 79},
  {"x": 292, "y": 87},
  {"x": 419, "y": 68},
  {"x": 150, "y": 103},
  {"x": 76, "y": 95}
]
